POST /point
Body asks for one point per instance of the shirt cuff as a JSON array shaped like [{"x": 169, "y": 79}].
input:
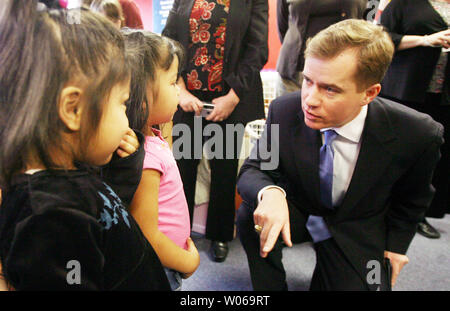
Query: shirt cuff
[{"x": 260, "y": 193}]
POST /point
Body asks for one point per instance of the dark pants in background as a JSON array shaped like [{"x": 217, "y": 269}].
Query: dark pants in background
[
  {"x": 441, "y": 178},
  {"x": 221, "y": 206}
]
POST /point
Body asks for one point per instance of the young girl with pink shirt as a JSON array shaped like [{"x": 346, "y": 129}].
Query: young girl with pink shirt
[{"x": 159, "y": 204}]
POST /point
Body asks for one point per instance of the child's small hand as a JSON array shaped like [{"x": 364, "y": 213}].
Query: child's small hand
[
  {"x": 4, "y": 286},
  {"x": 128, "y": 145},
  {"x": 194, "y": 255}
]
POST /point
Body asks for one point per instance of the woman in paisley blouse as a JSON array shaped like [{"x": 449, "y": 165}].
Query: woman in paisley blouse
[
  {"x": 226, "y": 47},
  {"x": 419, "y": 77}
]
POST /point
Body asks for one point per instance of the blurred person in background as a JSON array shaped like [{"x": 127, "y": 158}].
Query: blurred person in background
[
  {"x": 300, "y": 20},
  {"x": 419, "y": 78},
  {"x": 226, "y": 48}
]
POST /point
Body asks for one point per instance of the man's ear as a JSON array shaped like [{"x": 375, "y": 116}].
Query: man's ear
[
  {"x": 371, "y": 92},
  {"x": 70, "y": 107}
]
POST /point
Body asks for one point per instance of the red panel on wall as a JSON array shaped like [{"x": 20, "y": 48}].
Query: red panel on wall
[
  {"x": 274, "y": 41},
  {"x": 145, "y": 7}
]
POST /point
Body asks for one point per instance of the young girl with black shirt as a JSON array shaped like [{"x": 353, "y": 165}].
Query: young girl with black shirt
[{"x": 63, "y": 87}]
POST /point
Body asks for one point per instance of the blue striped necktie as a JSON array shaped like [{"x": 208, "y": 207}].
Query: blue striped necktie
[
  {"x": 326, "y": 169},
  {"x": 315, "y": 224}
]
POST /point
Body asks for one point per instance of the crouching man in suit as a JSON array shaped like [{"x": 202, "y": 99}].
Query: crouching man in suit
[{"x": 354, "y": 171}]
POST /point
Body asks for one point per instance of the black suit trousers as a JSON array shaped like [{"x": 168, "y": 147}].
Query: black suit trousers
[{"x": 333, "y": 271}]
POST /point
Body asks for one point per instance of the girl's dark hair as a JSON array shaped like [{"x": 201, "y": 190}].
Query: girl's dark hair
[
  {"x": 40, "y": 52},
  {"x": 145, "y": 53}
]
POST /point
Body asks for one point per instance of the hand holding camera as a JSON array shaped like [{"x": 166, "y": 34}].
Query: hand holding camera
[{"x": 208, "y": 107}]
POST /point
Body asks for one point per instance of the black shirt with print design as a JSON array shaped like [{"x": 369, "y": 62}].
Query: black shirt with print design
[{"x": 51, "y": 218}]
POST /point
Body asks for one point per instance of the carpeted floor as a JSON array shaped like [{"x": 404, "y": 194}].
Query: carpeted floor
[{"x": 428, "y": 269}]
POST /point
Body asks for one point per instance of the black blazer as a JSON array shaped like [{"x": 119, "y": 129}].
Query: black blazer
[
  {"x": 293, "y": 21},
  {"x": 246, "y": 50},
  {"x": 409, "y": 75},
  {"x": 390, "y": 189}
]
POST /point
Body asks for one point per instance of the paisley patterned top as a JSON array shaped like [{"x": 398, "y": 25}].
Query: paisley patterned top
[{"x": 207, "y": 26}]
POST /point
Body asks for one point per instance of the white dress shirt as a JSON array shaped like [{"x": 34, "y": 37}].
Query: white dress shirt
[{"x": 346, "y": 148}]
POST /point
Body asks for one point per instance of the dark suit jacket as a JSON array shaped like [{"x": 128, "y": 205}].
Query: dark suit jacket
[
  {"x": 390, "y": 189},
  {"x": 246, "y": 50},
  {"x": 293, "y": 21},
  {"x": 410, "y": 72}
]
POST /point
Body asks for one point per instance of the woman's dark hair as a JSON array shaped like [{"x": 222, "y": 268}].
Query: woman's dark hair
[
  {"x": 109, "y": 8},
  {"x": 145, "y": 53},
  {"x": 40, "y": 52},
  {"x": 54, "y": 4}
]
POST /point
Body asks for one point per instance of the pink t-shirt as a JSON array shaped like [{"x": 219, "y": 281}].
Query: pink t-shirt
[{"x": 173, "y": 216}]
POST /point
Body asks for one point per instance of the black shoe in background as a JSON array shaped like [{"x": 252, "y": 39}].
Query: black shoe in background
[
  {"x": 428, "y": 230},
  {"x": 219, "y": 251}
]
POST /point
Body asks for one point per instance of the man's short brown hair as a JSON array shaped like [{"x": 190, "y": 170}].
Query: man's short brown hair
[{"x": 372, "y": 44}]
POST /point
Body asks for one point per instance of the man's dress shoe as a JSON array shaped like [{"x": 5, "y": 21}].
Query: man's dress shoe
[{"x": 428, "y": 230}]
